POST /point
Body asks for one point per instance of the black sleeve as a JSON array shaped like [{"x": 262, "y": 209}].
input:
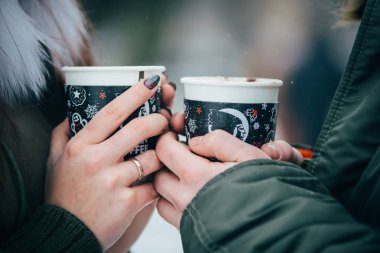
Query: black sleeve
[{"x": 51, "y": 229}]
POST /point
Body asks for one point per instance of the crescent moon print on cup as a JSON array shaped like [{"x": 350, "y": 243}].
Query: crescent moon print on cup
[
  {"x": 234, "y": 122},
  {"x": 85, "y": 101},
  {"x": 251, "y": 123}
]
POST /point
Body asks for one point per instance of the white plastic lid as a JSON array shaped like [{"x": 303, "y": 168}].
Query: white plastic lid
[
  {"x": 109, "y": 75},
  {"x": 231, "y": 89}
]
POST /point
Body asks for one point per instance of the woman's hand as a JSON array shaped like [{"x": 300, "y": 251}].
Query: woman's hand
[
  {"x": 188, "y": 169},
  {"x": 134, "y": 230},
  {"x": 87, "y": 174},
  {"x": 141, "y": 219}
]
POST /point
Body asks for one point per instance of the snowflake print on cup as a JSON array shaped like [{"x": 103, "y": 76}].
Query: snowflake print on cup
[
  {"x": 251, "y": 114},
  {"x": 90, "y": 111},
  {"x": 192, "y": 125},
  {"x": 102, "y": 95}
]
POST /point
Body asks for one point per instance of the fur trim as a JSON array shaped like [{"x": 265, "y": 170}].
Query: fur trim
[
  {"x": 22, "y": 57},
  {"x": 26, "y": 27}
]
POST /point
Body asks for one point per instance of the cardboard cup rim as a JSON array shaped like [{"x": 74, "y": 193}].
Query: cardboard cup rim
[
  {"x": 230, "y": 81},
  {"x": 111, "y": 68}
]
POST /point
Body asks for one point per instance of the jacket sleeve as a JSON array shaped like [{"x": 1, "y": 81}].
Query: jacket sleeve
[
  {"x": 51, "y": 229},
  {"x": 271, "y": 206}
]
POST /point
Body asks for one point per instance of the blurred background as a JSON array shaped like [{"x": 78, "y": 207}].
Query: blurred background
[{"x": 296, "y": 41}]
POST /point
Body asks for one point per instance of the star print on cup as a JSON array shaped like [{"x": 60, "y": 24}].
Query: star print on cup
[
  {"x": 85, "y": 101},
  {"x": 88, "y": 89},
  {"x": 77, "y": 95}
]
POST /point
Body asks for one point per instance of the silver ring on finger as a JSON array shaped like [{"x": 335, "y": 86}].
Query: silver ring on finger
[{"x": 139, "y": 167}]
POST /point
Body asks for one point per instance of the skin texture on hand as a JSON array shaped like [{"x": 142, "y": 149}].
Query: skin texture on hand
[
  {"x": 276, "y": 150},
  {"x": 282, "y": 151},
  {"x": 141, "y": 219},
  {"x": 87, "y": 175},
  {"x": 134, "y": 230},
  {"x": 188, "y": 169}
]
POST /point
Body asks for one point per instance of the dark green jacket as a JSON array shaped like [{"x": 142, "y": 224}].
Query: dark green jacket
[{"x": 333, "y": 205}]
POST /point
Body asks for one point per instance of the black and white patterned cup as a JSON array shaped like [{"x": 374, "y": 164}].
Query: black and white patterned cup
[
  {"x": 245, "y": 107},
  {"x": 89, "y": 89}
]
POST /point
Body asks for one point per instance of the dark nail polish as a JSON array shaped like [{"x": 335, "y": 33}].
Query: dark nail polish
[
  {"x": 152, "y": 82},
  {"x": 173, "y": 85}
]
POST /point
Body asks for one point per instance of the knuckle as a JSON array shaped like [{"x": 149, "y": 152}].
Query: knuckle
[
  {"x": 162, "y": 144},
  {"x": 112, "y": 110},
  {"x": 284, "y": 148},
  {"x": 190, "y": 176},
  {"x": 216, "y": 135},
  {"x": 130, "y": 197},
  {"x": 216, "y": 138},
  {"x": 74, "y": 148},
  {"x": 112, "y": 182},
  {"x": 92, "y": 165},
  {"x": 138, "y": 127}
]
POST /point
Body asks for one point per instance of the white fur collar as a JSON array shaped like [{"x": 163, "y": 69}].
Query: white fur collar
[{"x": 24, "y": 25}]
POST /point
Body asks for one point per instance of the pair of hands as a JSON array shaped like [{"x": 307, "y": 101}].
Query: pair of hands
[
  {"x": 88, "y": 176},
  {"x": 188, "y": 169}
]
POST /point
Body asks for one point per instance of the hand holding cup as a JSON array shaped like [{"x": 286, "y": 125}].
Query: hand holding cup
[{"x": 88, "y": 175}]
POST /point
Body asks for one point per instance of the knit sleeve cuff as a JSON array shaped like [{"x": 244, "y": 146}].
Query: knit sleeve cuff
[{"x": 53, "y": 229}]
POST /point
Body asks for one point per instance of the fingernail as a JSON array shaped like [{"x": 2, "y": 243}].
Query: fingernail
[
  {"x": 168, "y": 110},
  {"x": 152, "y": 82},
  {"x": 195, "y": 141},
  {"x": 275, "y": 154},
  {"x": 165, "y": 74},
  {"x": 173, "y": 85}
]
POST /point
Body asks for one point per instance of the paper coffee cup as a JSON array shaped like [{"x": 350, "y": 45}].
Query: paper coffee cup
[
  {"x": 246, "y": 108},
  {"x": 89, "y": 89}
]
